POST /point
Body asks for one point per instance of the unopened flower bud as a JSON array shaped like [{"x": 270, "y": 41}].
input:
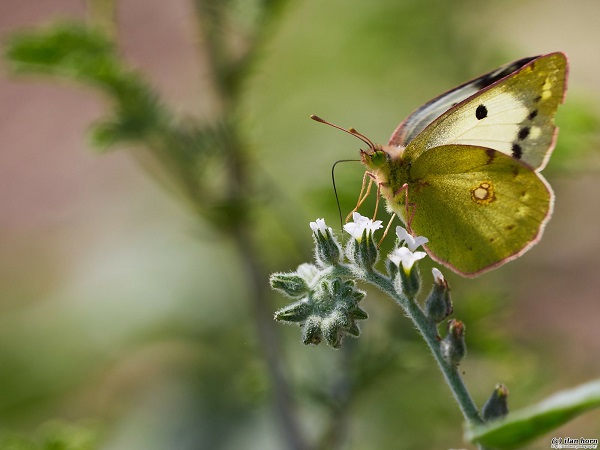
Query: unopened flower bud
[
  {"x": 295, "y": 312},
  {"x": 438, "y": 305},
  {"x": 497, "y": 405},
  {"x": 454, "y": 347},
  {"x": 311, "y": 331},
  {"x": 328, "y": 310},
  {"x": 289, "y": 284}
]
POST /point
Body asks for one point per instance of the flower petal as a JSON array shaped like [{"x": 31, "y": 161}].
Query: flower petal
[
  {"x": 319, "y": 226},
  {"x": 438, "y": 277},
  {"x": 360, "y": 224},
  {"x": 403, "y": 256},
  {"x": 411, "y": 242}
]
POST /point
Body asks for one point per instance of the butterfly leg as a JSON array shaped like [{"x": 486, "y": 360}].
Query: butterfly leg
[
  {"x": 361, "y": 197},
  {"x": 377, "y": 201},
  {"x": 387, "y": 228},
  {"x": 409, "y": 208}
]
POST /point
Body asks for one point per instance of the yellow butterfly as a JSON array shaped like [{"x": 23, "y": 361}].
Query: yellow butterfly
[{"x": 464, "y": 169}]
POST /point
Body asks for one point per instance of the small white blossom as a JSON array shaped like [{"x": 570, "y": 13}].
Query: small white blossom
[
  {"x": 361, "y": 224},
  {"x": 319, "y": 227},
  {"x": 404, "y": 256},
  {"x": 411, "y": 242},
  {"x": 438, "y": 278}
]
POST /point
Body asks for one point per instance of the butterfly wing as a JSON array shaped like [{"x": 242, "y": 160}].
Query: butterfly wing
[
  {"x": 479, "y": 209},
  {"x": 418, "y": 120},
  {"x": 513, "y": 114}
]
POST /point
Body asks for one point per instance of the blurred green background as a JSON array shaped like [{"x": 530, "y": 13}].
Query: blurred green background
[{"x": 125, "y": 322}]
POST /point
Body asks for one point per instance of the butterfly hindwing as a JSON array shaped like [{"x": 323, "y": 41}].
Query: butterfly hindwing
[
  {"x": 513, "y": 115},
  {"x": 479, "y": 209}
]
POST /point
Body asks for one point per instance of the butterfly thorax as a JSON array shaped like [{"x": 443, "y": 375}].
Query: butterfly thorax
[{"x": 389, "y": 170}]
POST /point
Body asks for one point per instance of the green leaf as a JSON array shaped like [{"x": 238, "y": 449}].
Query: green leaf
[
  {"x": 85, "y": 54},
  {"x": 526, "y": 424},
  {"x": 69, "y": 49}
]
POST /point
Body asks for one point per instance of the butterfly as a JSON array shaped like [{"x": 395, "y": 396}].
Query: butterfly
[{"x": 464, "y": 169}]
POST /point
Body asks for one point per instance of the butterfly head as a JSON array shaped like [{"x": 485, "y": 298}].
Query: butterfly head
[
  {"x": 379, "y": 155},
  {"x": 384, "y": 163},
  {"x": 374, "y": 157}
]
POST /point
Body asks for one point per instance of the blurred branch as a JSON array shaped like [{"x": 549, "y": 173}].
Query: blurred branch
[
  {"x": 229, "y": 69},
  {"x": 180, "y": 154}
]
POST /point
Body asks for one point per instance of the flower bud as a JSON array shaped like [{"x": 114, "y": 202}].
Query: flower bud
[
  {"x": 328, "y": 310},
  {"x": 289, "y": 284},
  {"x": 497, "y": 405},
  {"x": 295, "y": 312},
  {"x": 438, "y": 305},
  {"x": 311, "y": 331},
  {"x": 453, "y": 345}
]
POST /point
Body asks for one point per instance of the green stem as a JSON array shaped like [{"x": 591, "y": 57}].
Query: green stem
[{"x": 430, "y": 333}]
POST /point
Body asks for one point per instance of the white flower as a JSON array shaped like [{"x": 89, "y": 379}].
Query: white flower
[
  {"x": 319, "y": 227},
  {"x": 411, "y": 242},
  {"x": 361, "y": 224},
  {"x": 402, "y": 255},
  {"x": 438, "y": 278}
]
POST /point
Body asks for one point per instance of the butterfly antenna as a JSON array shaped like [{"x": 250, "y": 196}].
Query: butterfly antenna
[
  {"x": 362, "y": 137},
  {"x": 337, "y": 198},
  {"x": 351, "y": 131}
]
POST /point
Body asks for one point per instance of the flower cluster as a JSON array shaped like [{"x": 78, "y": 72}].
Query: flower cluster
[
  {"x": 325, "y": 293},
  {"x": 325, "y": 306}
]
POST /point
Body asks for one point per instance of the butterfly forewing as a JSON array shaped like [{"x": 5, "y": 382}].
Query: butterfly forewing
[
  {"x": 418, "y": 120},
  {"x": 513, "y": 115}
]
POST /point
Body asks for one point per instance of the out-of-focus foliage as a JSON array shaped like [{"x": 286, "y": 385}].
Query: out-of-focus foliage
[
  {"x": 54, "y": 436},
  {"x": 151, "y": 334},
  {"x": 76, "y": 51}
]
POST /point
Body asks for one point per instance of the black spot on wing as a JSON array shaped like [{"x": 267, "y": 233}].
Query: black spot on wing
[
  {"x": 491, "y": 154},
  {"x": 523, "y": 133},
  {"x": 481, "y": 112},
  {"x": 517, "y": 151},
  {"x": 533, "y": 114}
]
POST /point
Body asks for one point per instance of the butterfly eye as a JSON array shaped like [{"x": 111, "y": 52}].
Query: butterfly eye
[{"x": 379, "y": 157}]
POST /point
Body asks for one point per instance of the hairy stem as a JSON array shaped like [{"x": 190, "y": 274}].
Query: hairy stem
[{"x": 430, "y": 333}]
